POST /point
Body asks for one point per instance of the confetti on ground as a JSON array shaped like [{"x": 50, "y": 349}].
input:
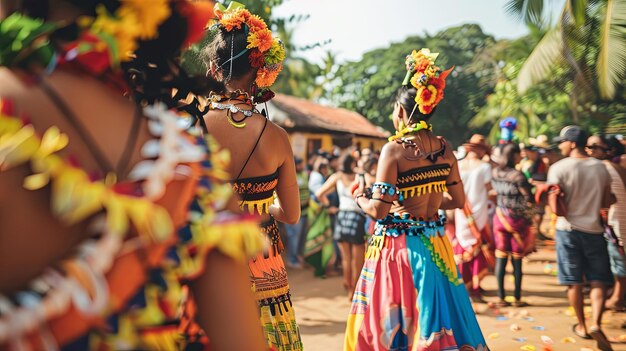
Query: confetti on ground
[
  {"x": 568, "y": 340},
  {"x": 570, "y": 311},
  {"x": 524, "y": 313},
  {"x": 529, "y": 319},
  {"x": 509, "y": 299},
  {"x": 538, "y": 327},
  {"x": 520, "y": 339},
  {"x": 493, "y": 336},
  {"x": 586, "y": 349},
  {"x": 546, "y": 340},
  {"x": 501, "y": 318},
  {"x": 515, "y": 327},
  {"x": 528, "y": 348}
]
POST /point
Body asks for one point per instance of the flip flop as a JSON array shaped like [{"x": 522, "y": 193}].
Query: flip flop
[
  {"x": 580, "y": 335},
  {"x": 602, "y": 342}
]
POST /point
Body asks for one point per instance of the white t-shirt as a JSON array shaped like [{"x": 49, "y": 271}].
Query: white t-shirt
[
  {"x": 584, "y": 182},
  {"x": 617, "y": 212},
  {"x": 475, "y": 183}
]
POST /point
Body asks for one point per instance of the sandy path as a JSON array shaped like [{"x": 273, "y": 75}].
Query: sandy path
[{"x": 322, "y": 307}]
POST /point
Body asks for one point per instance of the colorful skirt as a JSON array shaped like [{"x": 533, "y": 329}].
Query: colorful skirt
[
  {"x": 513, "y": 235},
  {"x": 421, "y": 304},
  {"x": 269, "y": 283}
]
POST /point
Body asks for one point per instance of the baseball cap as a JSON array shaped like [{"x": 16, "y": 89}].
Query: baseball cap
[{"x": 572, "y": 133}]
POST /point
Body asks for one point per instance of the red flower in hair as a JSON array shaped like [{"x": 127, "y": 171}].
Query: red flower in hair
[
  {"x": 257, "y": 59},
  {"x": 427, "y": 109}
]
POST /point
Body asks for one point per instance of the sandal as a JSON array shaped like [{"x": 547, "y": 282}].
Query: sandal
[
  {"x": 602, "y": 342},
  {"x": 520, "y": 304},
  {"x": 500, "y": 304},
  {"x": 580, "y": 335}
]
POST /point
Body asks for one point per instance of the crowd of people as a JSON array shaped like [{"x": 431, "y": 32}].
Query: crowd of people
[
  {"x": 143, "y": 204},
  {"x": 581, "y": 180}
]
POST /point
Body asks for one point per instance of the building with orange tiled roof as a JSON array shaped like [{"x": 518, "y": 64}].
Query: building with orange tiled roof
[{"x": 313, "y": 126}]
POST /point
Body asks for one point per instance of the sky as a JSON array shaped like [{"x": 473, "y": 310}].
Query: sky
[{"x": 357, "y": 26}]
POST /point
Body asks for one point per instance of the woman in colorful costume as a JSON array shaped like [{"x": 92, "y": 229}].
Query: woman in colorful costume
[
  {"x": 410, "y": 295},
  {"x": 512, "y": 224},
  {"x": 117, "y": 210},
  {"x": 472, "y": 240},
  {"x": 245, "y": 59}
]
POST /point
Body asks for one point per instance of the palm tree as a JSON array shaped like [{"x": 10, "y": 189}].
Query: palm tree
[{"x": 589, "y": 37}]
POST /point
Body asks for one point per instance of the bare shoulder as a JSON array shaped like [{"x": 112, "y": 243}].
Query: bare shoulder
[
  {"x": 390, "y": 150},
  {"x": 10, "y": 86}
]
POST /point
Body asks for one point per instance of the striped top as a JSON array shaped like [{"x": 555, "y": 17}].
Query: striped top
[
  {"x": 256, "y": 193},
  {"x": 617, "y": 212},
  {"x": 423, "y": 180}
]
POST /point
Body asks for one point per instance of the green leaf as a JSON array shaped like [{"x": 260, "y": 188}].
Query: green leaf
[
  {"x": 611, "y": 65},
  {"x": 541, "y": 60}
]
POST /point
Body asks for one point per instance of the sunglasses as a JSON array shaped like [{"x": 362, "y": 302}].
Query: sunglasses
[{"x": 597, "y": 147}]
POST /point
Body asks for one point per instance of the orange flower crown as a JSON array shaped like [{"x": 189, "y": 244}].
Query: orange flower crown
[
  {"x": 428, "y": 79},
  {"x": 266, "y": 52}
]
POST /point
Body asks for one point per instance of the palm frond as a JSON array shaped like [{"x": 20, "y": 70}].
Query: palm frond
[
  {"x": 541, "y": 60},
  {"x": 530, "y": 12},
  {"x": 577, "y": 8},
  {"x": 611, "y": 67}
]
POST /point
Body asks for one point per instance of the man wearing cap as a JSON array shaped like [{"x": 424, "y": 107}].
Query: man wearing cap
[{"x": 582, "y": 254}]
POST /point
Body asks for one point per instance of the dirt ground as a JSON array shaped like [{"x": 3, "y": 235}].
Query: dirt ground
[{"x": 322, "y": 308}]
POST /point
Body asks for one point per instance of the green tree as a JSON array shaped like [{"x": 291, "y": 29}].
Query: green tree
[
  {"x": 369, "y": 86},
  {"x": 589, "y": 38}
]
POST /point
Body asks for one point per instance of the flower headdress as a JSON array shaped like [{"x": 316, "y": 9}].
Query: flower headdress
[
  {"x": 103, "y": 42},
  {"x": 427, "y": 78},
  {"x": 266, "y": 52}
]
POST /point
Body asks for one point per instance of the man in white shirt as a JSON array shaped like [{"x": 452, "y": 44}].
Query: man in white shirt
[{"x": 582, "y": 254}]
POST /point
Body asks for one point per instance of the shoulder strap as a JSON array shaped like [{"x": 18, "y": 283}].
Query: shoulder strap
[{"x": 252, "y": 151}]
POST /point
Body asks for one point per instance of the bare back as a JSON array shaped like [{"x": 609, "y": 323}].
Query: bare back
[
  {"x": 398, "y": 161},
  {"x": 272, "y": 154},
  {"x": 26, "y": 222}
]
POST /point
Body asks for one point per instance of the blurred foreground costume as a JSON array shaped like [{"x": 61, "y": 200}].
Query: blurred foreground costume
[{"x": 124, "y": 286}]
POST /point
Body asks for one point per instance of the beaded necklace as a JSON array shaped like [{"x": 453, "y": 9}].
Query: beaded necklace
[{"x": 223, "y": 102}]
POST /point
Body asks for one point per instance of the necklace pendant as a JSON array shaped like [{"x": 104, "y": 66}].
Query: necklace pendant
[
  {"x": 235, "y": 124},
  {"x": 233, "y": 109}
]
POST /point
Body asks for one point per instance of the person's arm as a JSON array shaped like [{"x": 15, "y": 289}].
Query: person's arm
[
  {"x": 455, "y": 187},
  {"x": 326, "y": 189},
  {"x": 379, "y": 204},
  {"x": 608, "y": 197},
  {"x": 231, "y": 303},
  {"x": 287, "y": 210}
]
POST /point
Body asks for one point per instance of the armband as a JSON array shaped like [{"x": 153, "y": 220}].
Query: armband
[{"x": 388, "y": 189}]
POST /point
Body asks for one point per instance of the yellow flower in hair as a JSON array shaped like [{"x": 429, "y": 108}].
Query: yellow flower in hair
[
  {"x": 276, "y": 54},
  {"x": 123, "y": 29},
  {"x": 149, "y": 13},
  {"x": 261, "y": 40},
  {"x": 426, "y": 95}
]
